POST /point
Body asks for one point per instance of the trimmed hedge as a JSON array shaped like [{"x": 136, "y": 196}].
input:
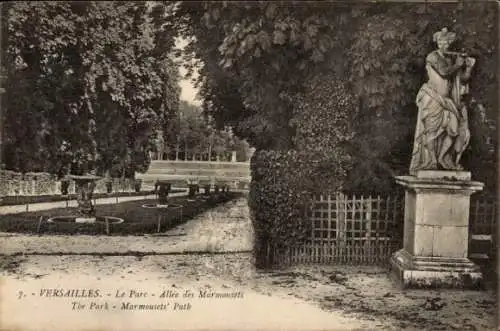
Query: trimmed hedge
[
  {"x": 284, "y": 181},
  {"x": 318, "y": 163},
  {"x": 12, "y": 175},
  {"x": 281, "y": 188}
]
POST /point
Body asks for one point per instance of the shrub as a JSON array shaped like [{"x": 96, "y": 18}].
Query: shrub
[
  {"x": 284, "y": 181},
  {"x": 10, "y": 175},
  {"x": 281, "y": 188},
  {"x": 41, "y": 176}
]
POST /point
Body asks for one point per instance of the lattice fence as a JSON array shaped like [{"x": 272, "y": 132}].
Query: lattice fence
[
  {"x": 368, "y": 230},
  {"x": 350, "y": 230},
  {"x": 483, "y": 226},
  {"x": 483, "y": 215}
]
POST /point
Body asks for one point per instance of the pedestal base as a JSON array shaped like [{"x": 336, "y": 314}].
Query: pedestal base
[
  {"x": 435, "y": 272},
  {"x": 85, "y": 220},
  {"x": 436, "y": 232}
]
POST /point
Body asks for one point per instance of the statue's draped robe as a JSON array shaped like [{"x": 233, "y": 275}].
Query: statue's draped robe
[{"x": 440, "y": 114}]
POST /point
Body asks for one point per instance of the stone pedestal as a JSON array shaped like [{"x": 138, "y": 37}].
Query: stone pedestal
[
  {"x": 85, "y": 220},
  {"x": 233, "y": 156},
  {"x": 436, "y": 231}
]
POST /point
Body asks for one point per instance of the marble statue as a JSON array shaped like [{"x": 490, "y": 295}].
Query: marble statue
[
  {"x": 160, "y": 145},
  {"x": 442, "y": 132}
]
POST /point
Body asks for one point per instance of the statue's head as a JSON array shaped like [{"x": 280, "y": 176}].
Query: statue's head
[{"x": 444, "y": 38}]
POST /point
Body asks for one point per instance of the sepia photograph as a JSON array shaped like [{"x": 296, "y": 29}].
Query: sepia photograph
[{"x": 249, "y": 165}]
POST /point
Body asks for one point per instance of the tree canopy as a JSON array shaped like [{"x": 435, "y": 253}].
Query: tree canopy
[
  {"x": 195, "y": 133},
  {"x": 88, "y": 83},
  {"x": 256, "y": 58}
]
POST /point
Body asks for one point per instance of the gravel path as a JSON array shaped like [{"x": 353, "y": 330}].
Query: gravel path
[
  {"x": 153, "y": 275},
  {"x": 303, "y": 298}
]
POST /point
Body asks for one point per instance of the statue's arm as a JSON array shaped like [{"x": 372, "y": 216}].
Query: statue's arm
[{"x": 441, "y": 67}]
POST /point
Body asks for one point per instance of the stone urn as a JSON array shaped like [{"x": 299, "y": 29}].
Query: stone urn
[{"x": 84, "y": 186}]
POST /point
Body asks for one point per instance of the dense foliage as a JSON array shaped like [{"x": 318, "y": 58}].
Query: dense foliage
[
  {"x": 386, "y": 69},
  {"x": 325, "y": 92},
  {"x": 324, "y": 119},
  {"x": 88, "y": 83},
  {"x": 255, "y": 54},
  {"x": 277, "y": 200},
  {"x": 254, "y": 58},
  {"x": 284, "y": 181}
]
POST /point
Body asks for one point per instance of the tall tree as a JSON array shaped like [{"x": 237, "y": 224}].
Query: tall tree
[
  {"x": 197, "y": 133},
  {"x": 89, "y": 82}
]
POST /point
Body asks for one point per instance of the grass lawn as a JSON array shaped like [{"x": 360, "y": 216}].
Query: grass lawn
[
  {"x": 27, "y": 199},
  {"x": 137, "y": 219}
]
